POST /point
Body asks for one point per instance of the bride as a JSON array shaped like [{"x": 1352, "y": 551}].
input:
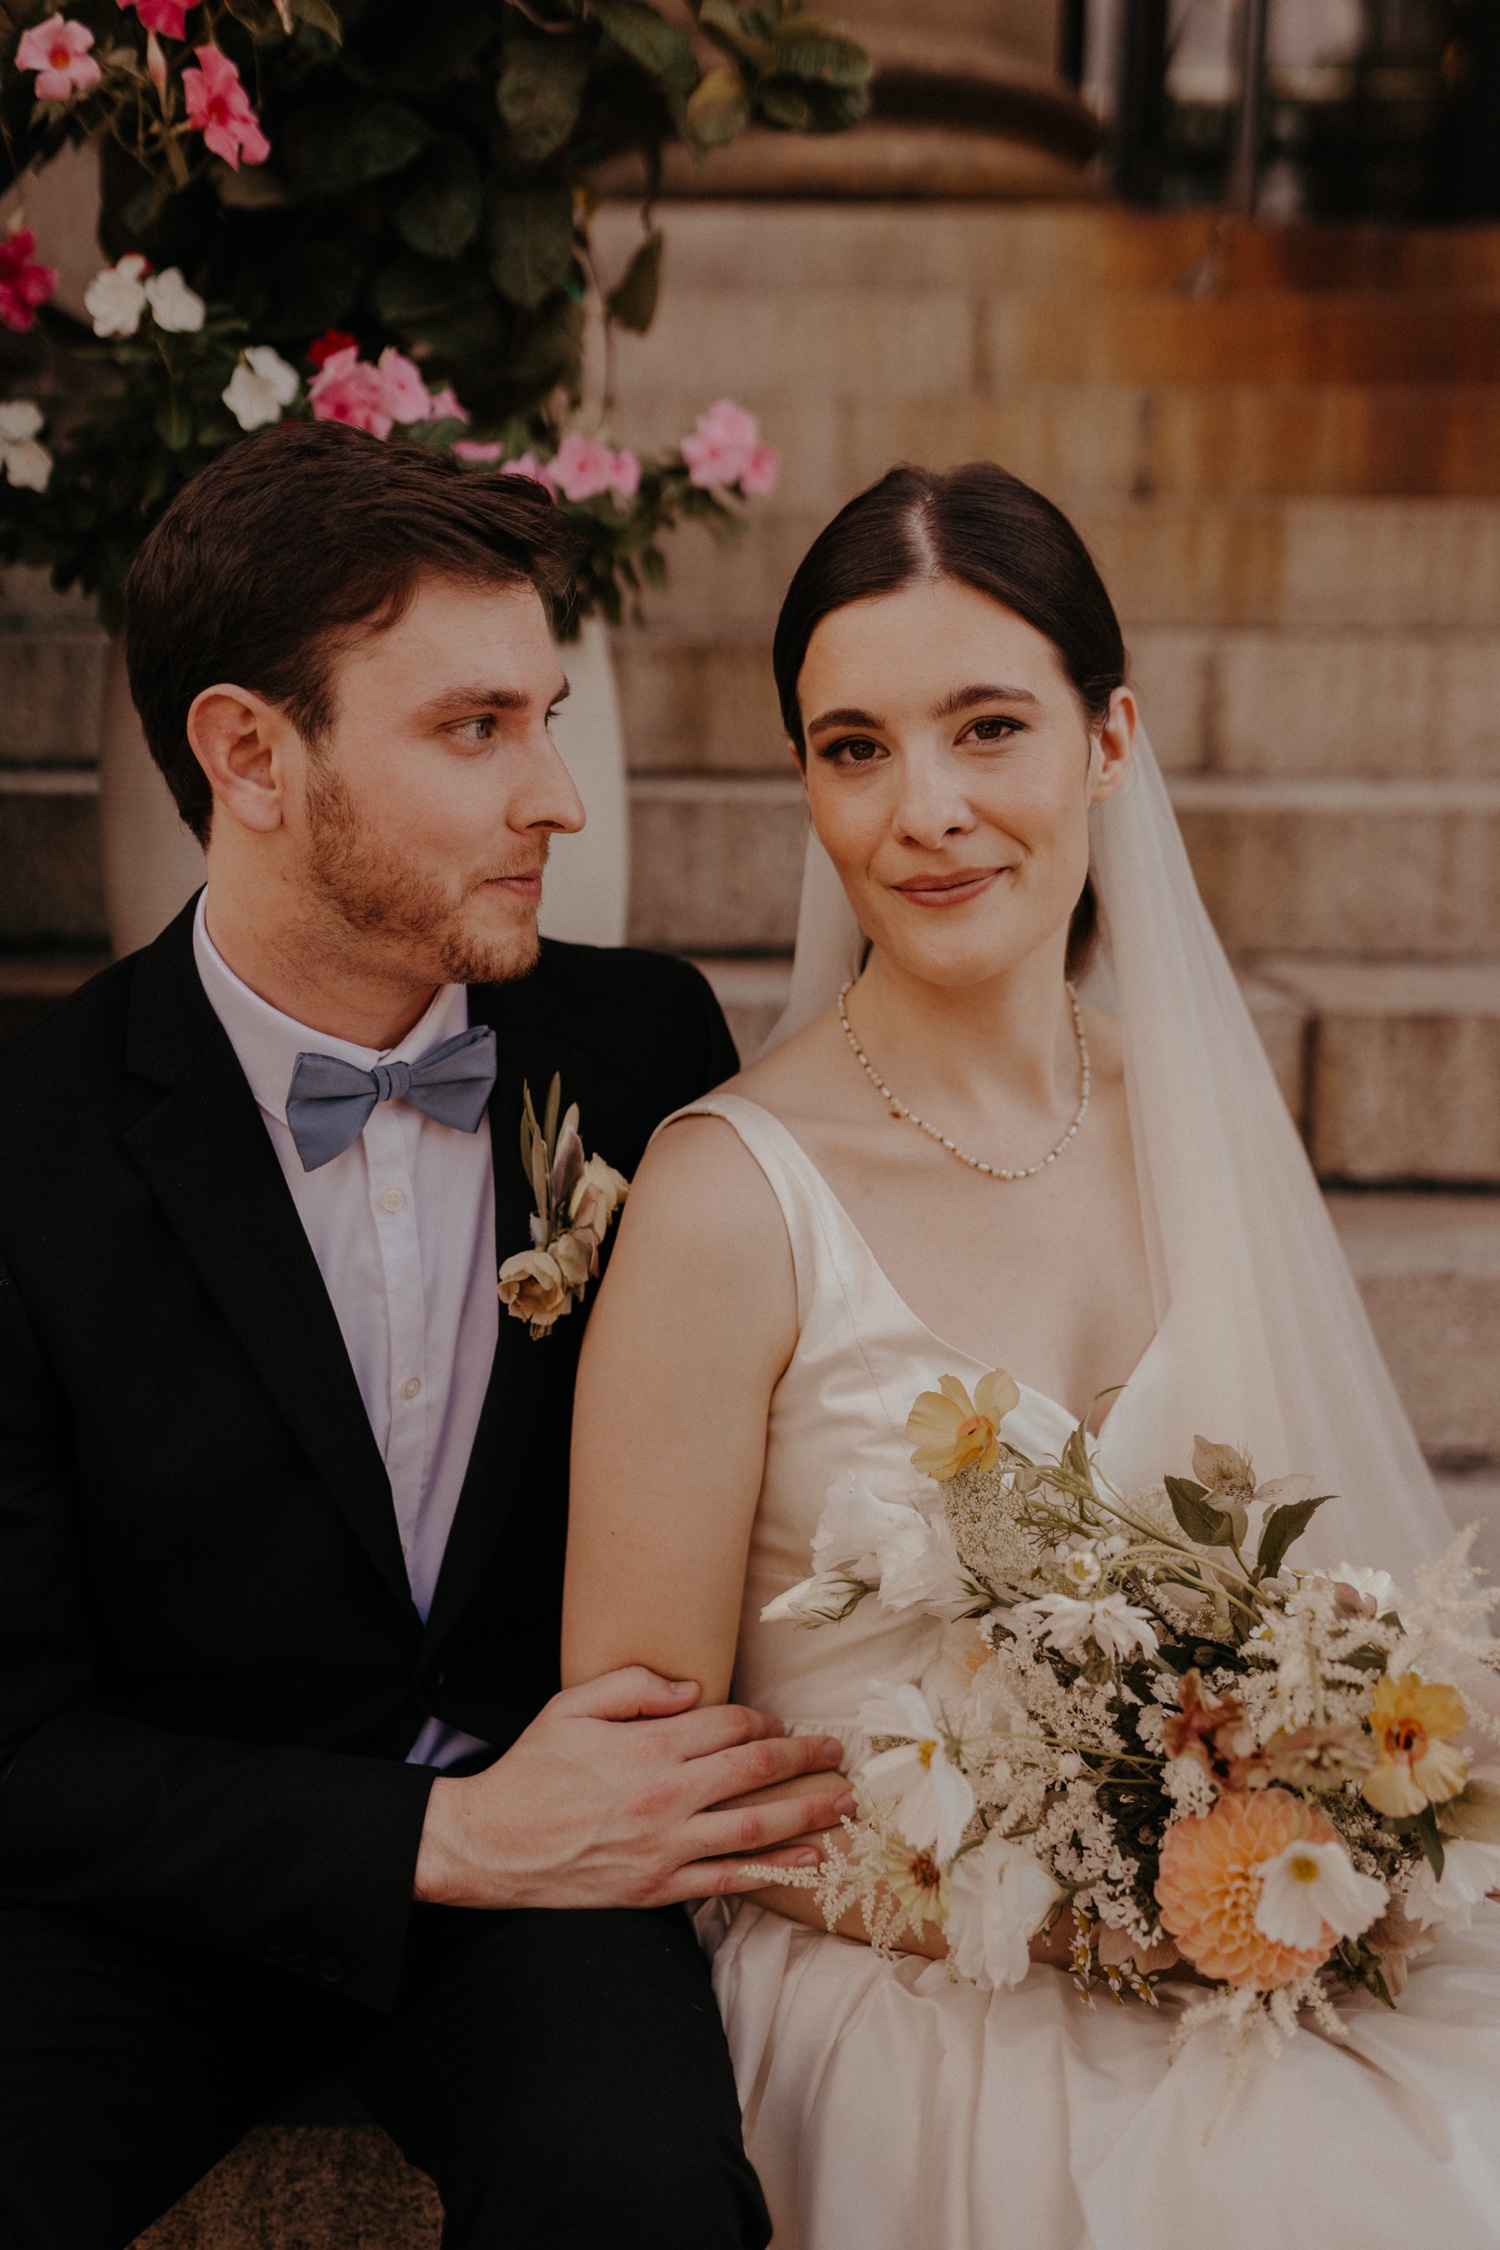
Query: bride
[{"x": 1017, "y": 1117}]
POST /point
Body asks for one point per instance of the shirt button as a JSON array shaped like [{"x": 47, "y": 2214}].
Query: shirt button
[
  {"x": 411, "y": 1386},
  {"x": 393, "y": 1200}
]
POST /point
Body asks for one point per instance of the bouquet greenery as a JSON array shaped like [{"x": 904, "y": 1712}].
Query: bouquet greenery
[{"x": 287, "y": 182}]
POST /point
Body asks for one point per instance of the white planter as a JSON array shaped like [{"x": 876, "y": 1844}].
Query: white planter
[
  {"x": 152, "y": 866},
  {"x": 586, "y": 889}
]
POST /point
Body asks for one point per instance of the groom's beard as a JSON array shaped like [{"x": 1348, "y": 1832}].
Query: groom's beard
[{"x": 377, "y": 893}]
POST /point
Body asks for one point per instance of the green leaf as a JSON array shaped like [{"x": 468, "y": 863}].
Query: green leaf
[
  {"x": 540, "y": 90},
  {"x": 552, "y": 1112},
  {"x": 784, "y": 102},
  {"x": 331, "y": 147},
  {"x": 261, "y": 18},
  {"x": 320, "y": 16},
  {"x": 1475, "y": 1814},
  {"x": 658, "y": 47},
  {"x": 1075, "y": 1456},
  {"x": 531, "y": 242},
  {"x": 730, "y": 28},
  {"x": 632, "y": 301},
  {"x": 439, "y": 213},
  {"x": 718, "y": 108},
  {"x": 806, "y": 48},
  {"x": 1206, "y": 1526},
  {"x": 412, "y": 291},
  {"x": 1282, "y": 1527}
]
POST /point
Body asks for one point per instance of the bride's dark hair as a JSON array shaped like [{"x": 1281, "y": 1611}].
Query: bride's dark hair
[{"x": 986, "y": 529}]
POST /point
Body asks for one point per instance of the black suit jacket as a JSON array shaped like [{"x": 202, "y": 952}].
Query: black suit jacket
[{"x": 210, "y": 1666}]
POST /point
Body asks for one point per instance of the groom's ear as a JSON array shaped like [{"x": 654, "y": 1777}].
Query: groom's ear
[{"x": 239, "y": 741}]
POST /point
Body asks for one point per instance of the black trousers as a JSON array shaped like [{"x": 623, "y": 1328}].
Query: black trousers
[{"x": 562, "y": 2078}]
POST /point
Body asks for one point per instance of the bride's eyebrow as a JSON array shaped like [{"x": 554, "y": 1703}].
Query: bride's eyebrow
[
  {"x": 846, "y": 718},
  {"x": 964, "y": 699}
]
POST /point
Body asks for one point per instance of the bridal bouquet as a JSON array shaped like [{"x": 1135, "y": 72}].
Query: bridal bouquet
[{"x": 1144, "y": 1720}]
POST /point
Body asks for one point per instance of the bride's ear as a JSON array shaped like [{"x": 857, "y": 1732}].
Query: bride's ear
[{"x": 1112, "y": 747}]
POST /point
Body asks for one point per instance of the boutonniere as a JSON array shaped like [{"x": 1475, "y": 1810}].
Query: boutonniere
[{"x": 576, "y": 1201}]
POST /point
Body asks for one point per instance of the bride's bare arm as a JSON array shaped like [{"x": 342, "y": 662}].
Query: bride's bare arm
[{"x": 694, "y": 1324}]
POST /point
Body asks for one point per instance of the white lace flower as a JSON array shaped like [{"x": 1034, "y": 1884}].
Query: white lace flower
[
  {"x": 174, "y": 306},
  {"x": 26, "y": 464},
  {"x": 999, "y": 1896},
  {"x": 929, "y": 1797},
  {"x": 1111, "y": 1623},
  {"x": 1470, "y": 1872},
  {"x": 1307, "y": 1885},
  {"x": 115, "y": 299},
  {"x": 262, "y": 384}
]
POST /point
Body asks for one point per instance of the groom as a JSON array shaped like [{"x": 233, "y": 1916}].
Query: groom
[{"x": 285, "y": 1782}]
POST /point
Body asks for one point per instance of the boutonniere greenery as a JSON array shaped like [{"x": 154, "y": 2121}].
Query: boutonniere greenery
[{"x": 577, "y": 1197}]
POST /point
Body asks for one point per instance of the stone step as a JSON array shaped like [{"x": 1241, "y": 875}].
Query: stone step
[
  {"x": 32, "y": 985},
  {"x": 1329, "y": 563},
  {"x": 52, "y": 895},
  {"x": 1402, "y": 1067},
  {"x": 1267, "y": 701},
  {"x": 1339, "y": 867},
  {"x": 772, "y": 249},
  {"x": 1346, "y": 867},
  {"x": 306, "y": 2187},
  {"x": 1428, "y": 1268},
  {"x": 53, "y": 697}
]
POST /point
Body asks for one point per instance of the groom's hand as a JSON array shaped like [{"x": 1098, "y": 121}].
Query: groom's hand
[{"x": 616, "y": 1796}]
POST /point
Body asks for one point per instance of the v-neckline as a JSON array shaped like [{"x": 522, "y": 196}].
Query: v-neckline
[{"x": 940, "y": 1343}]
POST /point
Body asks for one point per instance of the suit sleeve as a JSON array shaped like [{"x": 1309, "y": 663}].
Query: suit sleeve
[{"x": 299, "y": 1857}]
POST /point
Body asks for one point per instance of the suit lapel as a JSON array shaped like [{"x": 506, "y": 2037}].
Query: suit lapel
[
  {"x": 528, "y": 1379},
  {"x": 208, "y": 1159}
]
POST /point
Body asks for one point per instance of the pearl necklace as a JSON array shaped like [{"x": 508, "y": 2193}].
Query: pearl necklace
[{"x": 898, "y": 1108}]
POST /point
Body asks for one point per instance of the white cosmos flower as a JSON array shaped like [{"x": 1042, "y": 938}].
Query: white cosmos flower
[
  {"x": 25, "y": 463},
  {"x": 174, "y": 306},
  {"x": 1111, "y": 1623},
  {"x": 999, "y": 1896},
  {"x": 115, "y": 299},
  {"x": 822, "y": 1600},
  {"x": 1470, "y": 1870},
  {"x": 930, "y": 1799},
  {"x": 261, "y": 385},
  {"x": 1310, "y": 1884}
]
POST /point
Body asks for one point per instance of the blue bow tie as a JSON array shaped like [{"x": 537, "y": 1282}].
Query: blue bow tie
[{"x": 328, "y": 1100}]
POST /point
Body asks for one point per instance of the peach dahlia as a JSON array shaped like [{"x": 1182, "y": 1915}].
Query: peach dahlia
[{"x": 1209, "y": 1887}]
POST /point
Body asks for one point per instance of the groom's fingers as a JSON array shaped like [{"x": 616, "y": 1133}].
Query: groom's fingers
[
  {"x": 634, "y": 1692},
  {"x": 749, "y": 1766},
  {"x": 750, "y": 1830}
]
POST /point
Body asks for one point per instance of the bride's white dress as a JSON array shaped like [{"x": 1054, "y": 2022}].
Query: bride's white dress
[{"x": 890, "y": 2108}]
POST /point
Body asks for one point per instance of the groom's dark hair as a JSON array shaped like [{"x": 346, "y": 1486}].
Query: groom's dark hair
[{"x": 270, "y": 561}]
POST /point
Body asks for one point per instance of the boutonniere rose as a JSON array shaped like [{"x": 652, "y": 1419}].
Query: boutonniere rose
[{"x": 577, "y": 1197}]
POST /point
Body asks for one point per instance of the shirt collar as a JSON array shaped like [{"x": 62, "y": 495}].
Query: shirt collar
[{"x": 267, "y": 1043}]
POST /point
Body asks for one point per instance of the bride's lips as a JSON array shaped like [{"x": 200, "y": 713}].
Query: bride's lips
[{"x": 953, "y": 889}]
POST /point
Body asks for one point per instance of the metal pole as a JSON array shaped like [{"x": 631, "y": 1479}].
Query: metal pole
[
  {"x": 1244, "y": 170},
  {"x": 1139, "y": 115}
]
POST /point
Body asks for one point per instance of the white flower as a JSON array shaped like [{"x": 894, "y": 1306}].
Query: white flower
[
  {"x": 174, "y": 306},
  {"x": 1308, "y": 1885},
  {"x": 26, "y": 463},
  {"x": 261, "y": 385},
  {"x": 1378, "y": 1584},
  {"x": 1111, "y": 1623},
  {"x": 115, "y": 299},
  {"x": 999, "y": 1896},
  {"x": 1080, "y": 1570},
  {"x": 822, "y": 1600},
  {"x": 930, "y": 1799},
  {"x": 854, "y": 1525},
  {"x": 920, "y": 1569},
  {"x": 1470, "y": 1871}
]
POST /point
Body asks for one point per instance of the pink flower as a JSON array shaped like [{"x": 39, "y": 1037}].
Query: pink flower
[
  {"x": 583, "y": 467},
  {"x": 724, "y": 445},
  {"x": 348, "y": 389},
  {"x": 444, "y": 406},
  {"x": 169, "y": 17},
  {"x": 760, "y": 472},
  {"x": 23, "y": 284},
  {"x": 332, "y": 340},
  {"x": 58, "y": 51},
  {"x": 481, "y": 455},
  {"x": 405, "y": 389},
  {"x": 527, "y": 465},
  {"x": 219, "y": 108}
]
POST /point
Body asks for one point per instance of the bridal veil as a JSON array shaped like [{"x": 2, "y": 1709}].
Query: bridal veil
[{"x": 1268, "y": 1346}]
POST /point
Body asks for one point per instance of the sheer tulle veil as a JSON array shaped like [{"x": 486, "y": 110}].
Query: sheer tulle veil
[{"x": 1264, "y": 1338}]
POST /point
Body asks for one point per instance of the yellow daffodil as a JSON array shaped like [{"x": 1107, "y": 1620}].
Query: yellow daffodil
[
  {"x": 952, "y": 1431},
  {"x": 1419, "y": 1762}
]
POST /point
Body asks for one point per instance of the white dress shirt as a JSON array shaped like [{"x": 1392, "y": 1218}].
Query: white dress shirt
[{"x": 402, "y": 1225}]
